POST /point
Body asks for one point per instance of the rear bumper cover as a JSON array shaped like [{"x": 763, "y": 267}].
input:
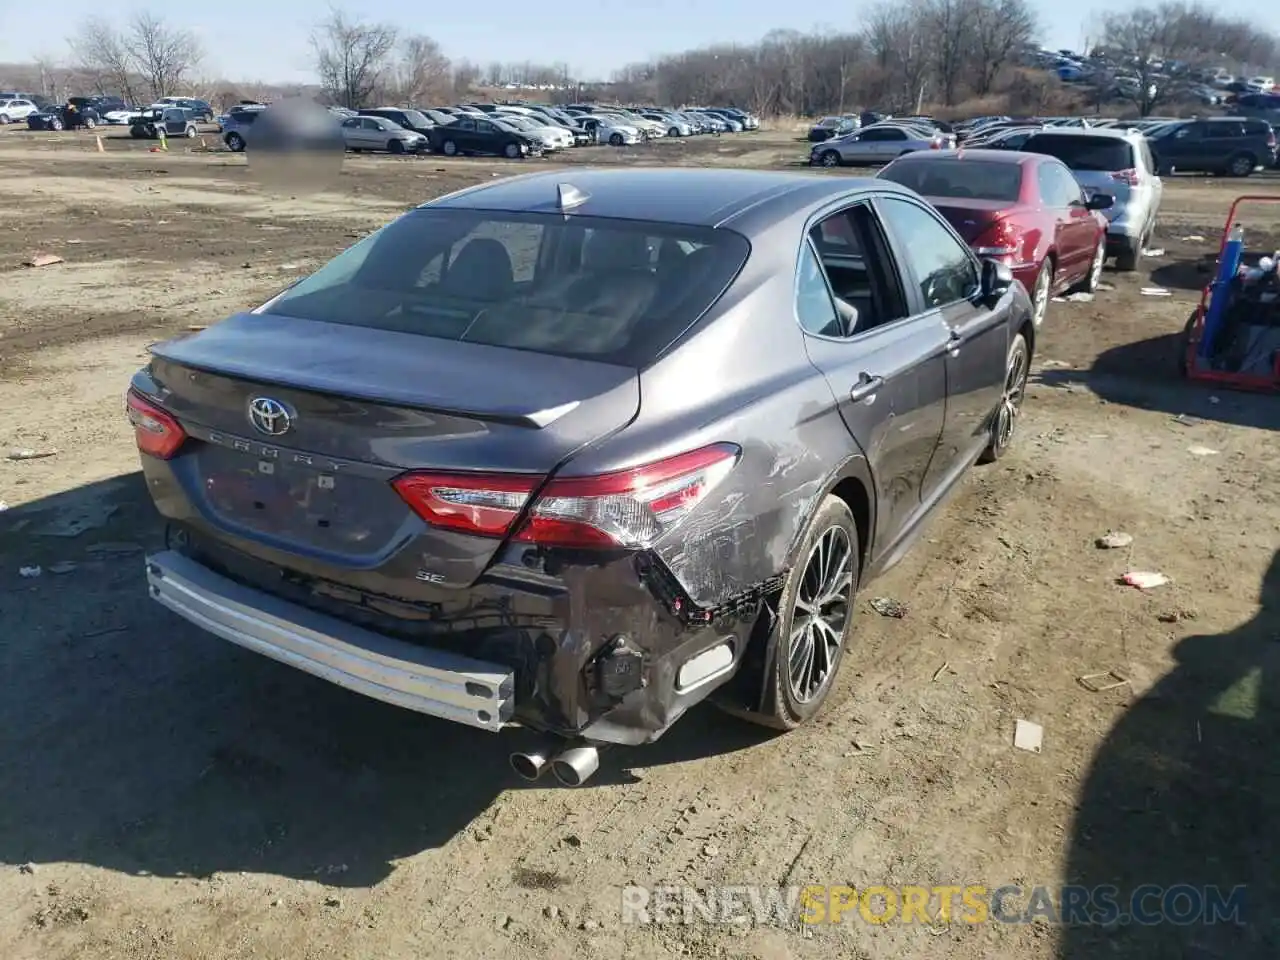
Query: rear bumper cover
[
  {"x": 596, "y": 659},
  {"x": 434, "y": 682}
]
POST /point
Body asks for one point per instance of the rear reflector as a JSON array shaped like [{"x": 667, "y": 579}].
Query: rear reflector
[
  {"x": 158, "y": 434},
  {"x": 631, "y": 508}
]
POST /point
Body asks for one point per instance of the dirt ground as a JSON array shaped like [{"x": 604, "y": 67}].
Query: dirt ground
[{"x": 166, "y": 795}]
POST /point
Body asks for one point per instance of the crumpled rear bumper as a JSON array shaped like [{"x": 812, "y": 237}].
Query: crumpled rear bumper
[{"x": 422, "y": 679}]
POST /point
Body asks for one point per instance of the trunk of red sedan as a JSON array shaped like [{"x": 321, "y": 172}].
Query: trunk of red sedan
[{"x": 972, "y": 218}]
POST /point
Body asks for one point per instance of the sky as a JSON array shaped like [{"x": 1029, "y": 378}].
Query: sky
[{"x": 252, "y": 40}]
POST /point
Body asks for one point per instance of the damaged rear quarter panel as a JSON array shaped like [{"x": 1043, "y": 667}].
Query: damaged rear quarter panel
[{"x": 744, "y": 378}]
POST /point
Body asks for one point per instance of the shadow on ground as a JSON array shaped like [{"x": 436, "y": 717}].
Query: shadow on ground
[
  {"x": 1147, "y": 374},
  {"x": 1184, "y": 792},
  {"x": 133, "y": 741}
]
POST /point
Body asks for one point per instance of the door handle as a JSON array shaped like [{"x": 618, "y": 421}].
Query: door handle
[{"x": 866, "y": 386}]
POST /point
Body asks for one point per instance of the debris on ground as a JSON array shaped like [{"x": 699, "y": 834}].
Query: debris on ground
[
  {"x": 113, "y": 549},
  {"x": 1101, "y": 682},
  {"x": 1028, "y": 736},
  {"x": 1155, "y": 292},
  {"x": 1157, "y": 252},
  {"x": 31, "y": 454},
  {"x": 1054, "y": 363},
  {"x": 888, "y": 607},
  {"x": 1105, "y": 287},
  {"x": 1185, "y": 420},
  {"x": 44, "y": 260},
  {"x": 27, "y": 868},
  {"x": 63, "y": 566},
  {"x": 1114, "y": 540},
  {"x": 1144, "y": 579},
  {"x": 1199, "y": 451},
  {"x": 941, "y": 670},
  {"x": 3, "y": 506},
  {"x": 1193, "y": 238},
  {"x": 75, "y": 522},
  {"x": 1080, "y": 297},
  {"x": 29, "y": 572},
  {"x": 1176, "y": 616}
]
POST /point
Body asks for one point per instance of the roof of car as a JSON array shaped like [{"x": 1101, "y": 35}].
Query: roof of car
[
  {"x": 995, "y": 156},
  {"x": 1110, "y": 132},
  {"x": 702, "y": 197}
]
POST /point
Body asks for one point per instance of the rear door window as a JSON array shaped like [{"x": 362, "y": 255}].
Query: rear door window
[{"x": 1084, "y": 152}]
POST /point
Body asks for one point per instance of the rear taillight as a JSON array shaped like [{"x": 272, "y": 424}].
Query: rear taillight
[
  {"x": 158, "y": 434},
  {"x": 631, "y": 508},
  {"x": 1271, "y": 139},
  {"x": 1001, "y": 239},
  {"x": 1130, "y": 177}
]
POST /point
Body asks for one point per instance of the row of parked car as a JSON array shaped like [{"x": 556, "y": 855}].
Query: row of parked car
[
  {"x": 512, "y": 130},
  {"x": 970, "y": 166},
  {"x": 40, "y": 113}
]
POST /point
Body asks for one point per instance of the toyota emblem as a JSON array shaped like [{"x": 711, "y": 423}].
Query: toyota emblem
[{"x": 269, "y": 416}]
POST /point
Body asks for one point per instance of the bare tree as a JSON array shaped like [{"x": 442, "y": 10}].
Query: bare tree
[
  {"x": 102, "y": 52},
  {"x": 163, "y": 54},
  {"x": 423, "y": 72},
  {"x": 352, "y": 58},
  {"x": 1002, "y": 29}
]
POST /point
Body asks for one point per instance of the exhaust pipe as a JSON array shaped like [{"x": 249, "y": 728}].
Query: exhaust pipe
[
  {"x": 576, "y": 765},
  {"x": 534, "y": 763}
]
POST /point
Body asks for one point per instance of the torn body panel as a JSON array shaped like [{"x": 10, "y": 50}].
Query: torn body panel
[{"x": 595, "y": 643}]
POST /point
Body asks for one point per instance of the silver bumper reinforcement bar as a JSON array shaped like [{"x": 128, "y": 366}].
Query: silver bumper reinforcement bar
[{"x": 433, "y": 682}]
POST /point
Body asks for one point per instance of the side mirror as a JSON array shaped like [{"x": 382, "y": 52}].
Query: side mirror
[
  {"x": 1100, "y": 201},
  {"x": 997, "y": 278}
]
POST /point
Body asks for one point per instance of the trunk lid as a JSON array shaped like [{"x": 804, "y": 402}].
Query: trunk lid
[
  {"x": 971, "y": 218},
  {"x": 363, "y": 406}
]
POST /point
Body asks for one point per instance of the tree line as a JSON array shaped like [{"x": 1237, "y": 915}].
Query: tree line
[{"x": 903, "y": 56}]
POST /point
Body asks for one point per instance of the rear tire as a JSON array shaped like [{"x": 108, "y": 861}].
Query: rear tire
[
  {"x": 1041, "y": 292},
  {"x": 1090, "y": 283},
  {"x": 235, "y": 142},
  {"x": 511, "y": 151},
  {"x": 814, "y": 620},
  {"x": 449, "y": 148},
  {"x": 1129, "y": 256},
  {"x": 1004, "y": 423},
  {"x": 829, "y": 158},
  {"x": 615, "y": 140},
  {"x": 1241, "y": 165}
]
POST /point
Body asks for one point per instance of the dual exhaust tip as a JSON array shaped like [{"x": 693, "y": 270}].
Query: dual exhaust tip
[{"x": 572, "y": 767}]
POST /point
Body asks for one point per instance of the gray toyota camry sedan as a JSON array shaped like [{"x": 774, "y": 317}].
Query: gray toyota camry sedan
[{"x": 575, "y": 451}]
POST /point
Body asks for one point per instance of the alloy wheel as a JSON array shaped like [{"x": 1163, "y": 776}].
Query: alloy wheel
[
  {"x": 1095, "y": 269},
  {"x": 820, "y": 615},
  {"x": 1015, "y": 387},
  {"x": 1040, "y": 295},
  {"x": 831, "y": 159}
]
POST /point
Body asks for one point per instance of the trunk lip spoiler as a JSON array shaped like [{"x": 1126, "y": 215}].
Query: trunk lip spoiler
[{"x": 534, "y": 419}]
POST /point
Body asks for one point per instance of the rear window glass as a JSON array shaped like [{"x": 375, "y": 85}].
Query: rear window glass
[
  {"x": 972, "y": 179},
  {"x": 618, "y": 291},
  {"x": 1084, "y": 153}
]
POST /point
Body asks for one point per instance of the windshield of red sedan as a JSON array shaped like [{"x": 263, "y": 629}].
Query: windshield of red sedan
[{"x": 967, "y": 179}]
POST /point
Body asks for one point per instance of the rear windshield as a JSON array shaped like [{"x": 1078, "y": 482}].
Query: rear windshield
[
  {"x": 1083, "y": 152},
  {"x": 970, "y": 179},
  {"x": 617, "y": 291}
]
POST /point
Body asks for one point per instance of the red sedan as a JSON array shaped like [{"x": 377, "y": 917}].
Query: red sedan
[{"x": 1024, "y": 209}]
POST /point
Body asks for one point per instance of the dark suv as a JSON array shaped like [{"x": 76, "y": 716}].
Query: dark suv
[{"x": 1233, "y": 146}]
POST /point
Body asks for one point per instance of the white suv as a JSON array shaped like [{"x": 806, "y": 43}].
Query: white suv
[
  {"x": 1115, "y": 162},
  {"x": 14, "y": 110}
]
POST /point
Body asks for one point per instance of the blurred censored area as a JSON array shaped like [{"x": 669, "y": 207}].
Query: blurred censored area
[{"x": 297, "y": 147}]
